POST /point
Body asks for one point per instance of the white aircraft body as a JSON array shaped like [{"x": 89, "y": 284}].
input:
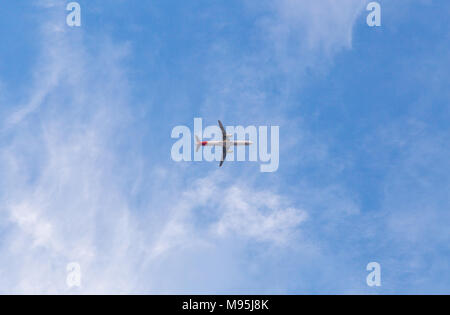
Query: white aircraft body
[{"x": 225, "y": 143}]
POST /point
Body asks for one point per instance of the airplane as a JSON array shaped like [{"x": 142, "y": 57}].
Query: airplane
[{"x": 225, "y": 143}]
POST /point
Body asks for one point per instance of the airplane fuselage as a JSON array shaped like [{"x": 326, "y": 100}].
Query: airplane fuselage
[{"x": 227, "y": 143}]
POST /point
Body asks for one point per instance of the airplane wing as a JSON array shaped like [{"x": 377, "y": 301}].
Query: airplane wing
[
  {"x": 224, "y": 133},
  {"x": 224, "y": 154}
]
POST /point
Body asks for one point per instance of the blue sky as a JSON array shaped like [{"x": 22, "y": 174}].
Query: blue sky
[{"x": 86, "y": 173}]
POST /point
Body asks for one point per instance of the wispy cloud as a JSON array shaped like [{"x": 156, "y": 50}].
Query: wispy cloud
[{"x": 60, "y": 200}]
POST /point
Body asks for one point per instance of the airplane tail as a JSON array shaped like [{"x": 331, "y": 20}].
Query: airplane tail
[{"x": 199, "y": 143}]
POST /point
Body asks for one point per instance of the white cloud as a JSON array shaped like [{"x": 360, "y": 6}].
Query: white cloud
[
  {"x": 61, "y": 200},
  {"x": 258, "y": 215},
  {"x": 234, "y": 210},
  {"x": 326, "y": 24},
  {"x": 304, "y": 34}
]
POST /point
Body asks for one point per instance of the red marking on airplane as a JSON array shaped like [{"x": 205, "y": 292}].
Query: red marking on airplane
[{"x": 204, "y": 143}]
